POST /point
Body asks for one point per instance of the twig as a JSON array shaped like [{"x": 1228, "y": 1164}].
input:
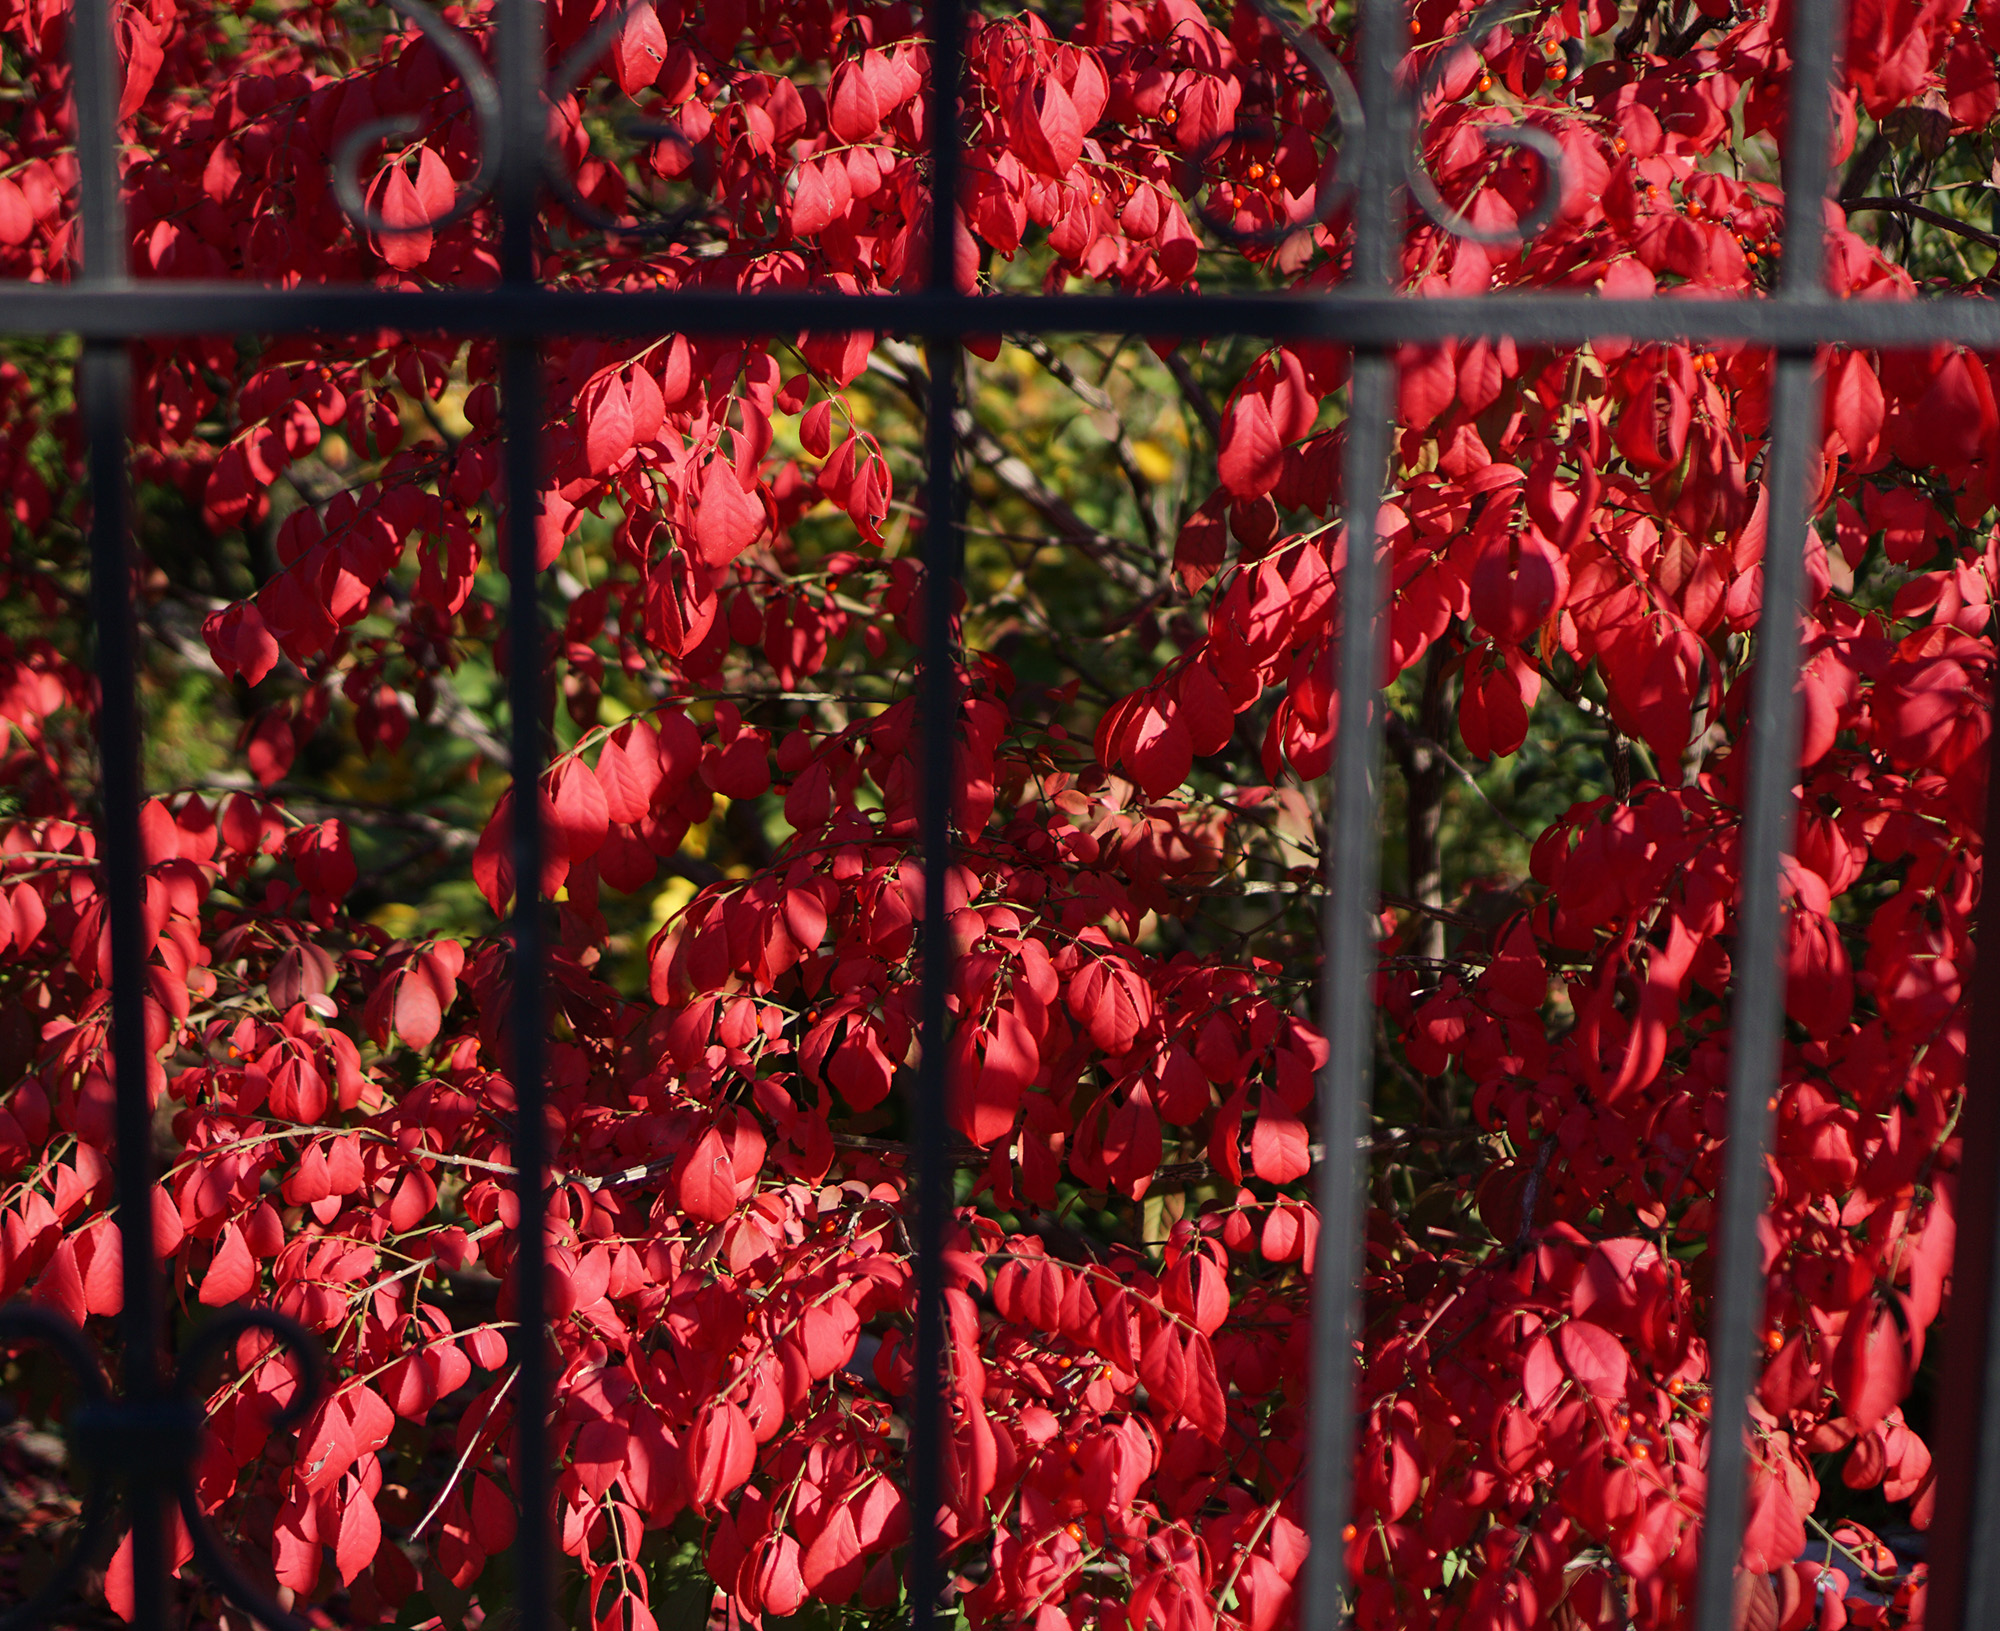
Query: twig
[
  {"x": 1862, "y": 169},
  {"x": 1910, "y": 209},
  {"x": 1197, "y": 398},
  {"x": 900, "y": 363},
  {"x": 1530, "y": 1193},
  {"x": 1634, "y": 33},
  {"x": 1121, "y": 441}
]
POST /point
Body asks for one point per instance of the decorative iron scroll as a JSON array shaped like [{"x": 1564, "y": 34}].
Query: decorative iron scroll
[
  {"x": 1528, "y": 138},
  {"x": 123, "y": 1439}
]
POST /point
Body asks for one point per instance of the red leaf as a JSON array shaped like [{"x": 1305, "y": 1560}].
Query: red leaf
[
  {"x": 581, "y": 809},
  {"x": 599, "y": 1455},
  {"x": 1854, "y": 405},
  {"x": 851, "y": 106},
  {"x": 360, "y": 1535},
  {"x": 816, "y": 428},
  {"x": 408, "y": 242},
  {"x": 1163, "y": 1368},
  {"x": 1871, "y": 1366},
  {"x": 1051, "y": 134},
  {"x": 1595, "y": 1357},
  {"x": 628, "y": 770},
  {"x": 721, "y": 1451},
  {"x": 708, "y": 1180},
  {"x": 1203, "y": 1403},
  {"x": 680, "y": 604},
  {"x": 1519, "y": 583},
  {"x": 834, "y": 1549},
  {"x": 1158, "y": 750},
  {"x": 607, "y": 423},
  {"x": 1251, "y": 459},
  {"x": 433, "y": 184},
  {"x": 1541, "y": 1377},
  {"x": 493, "y": 1517},
  {"x": 414, "y": 1012},
  {"x": 232, "y": 1272},
  {"x": 1278, "y": 1149},
  {"x": 776, "y": 1576},
  {"x": 17, "y": 221},
  {"x": 1205, "y": 709},
  {"x": 1774, "y": 1534},
  {"x": 1201, "y": 544},
  {"x": 270, "y": 747},
  {"x": 641, "y": 54},
  {"x": 1113, "y": 1001},
  {"x": 727, "y": 520},
  {"x": 828, "y": 1332}
]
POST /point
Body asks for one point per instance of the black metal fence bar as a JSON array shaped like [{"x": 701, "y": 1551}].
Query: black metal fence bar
[
  {"x": 1352, "y": 857},
  {"x": 937, "y": 711},
  {"x": 518, "y": 192},
  {"x": 105, "y": 309},
  {"x": 101, "y": 388},
  {"x": 168, "y": 309},
  {"x": 1757, "y": 1013},
  {"x": 1964, "y": 1554}
]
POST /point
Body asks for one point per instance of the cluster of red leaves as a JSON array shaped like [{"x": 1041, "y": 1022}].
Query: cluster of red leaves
[{"x": 1124, "y": 1431}]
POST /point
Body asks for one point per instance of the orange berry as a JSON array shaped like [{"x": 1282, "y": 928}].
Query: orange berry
[
  {"x": 1753, "y": 257},
  {"x": 1677, "y": 1386},
  {"x": 1639, "y": 1450},
  {"x": 1701, "y": 1407},
  {"x": 1774, "y": 1339},
  {"x": 1348, "y": 1531},
  {"x": 1075, "y": 1531},
  {"x": 1171, "y": 116},
  {"x": 1486, "y": 82},
  {"x": 1256, "y": 171},
  {"x": 1558, "y": 70}
]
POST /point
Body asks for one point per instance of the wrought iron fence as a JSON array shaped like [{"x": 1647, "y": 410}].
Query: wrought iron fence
[{"x": 142, "y": 1440}]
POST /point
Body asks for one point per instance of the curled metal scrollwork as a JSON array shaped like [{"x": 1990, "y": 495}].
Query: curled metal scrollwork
[
  {"x": 22, "y": 1322},
  {"x": 1494, "y": 14},
  {"x": 575, "y": 63},
  {"x": 213, "y": 1337},
  {"x": 480, "y": 90},
  {"x": 157, "y": 1438},
  {"x": 1332, "y": 189}
]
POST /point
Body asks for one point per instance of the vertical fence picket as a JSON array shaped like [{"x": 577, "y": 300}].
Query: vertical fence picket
[
  {"x": 937, "y": 709},
  {"x": 521, "y": 73},
  {"x": 1964, "y": 1556},
  {"x": 1968, "y": 1580},
  {"x": 1757, "y": 1007},
  {"x": 1352, "y": 853},
  {"x": 102, "y": 388}
]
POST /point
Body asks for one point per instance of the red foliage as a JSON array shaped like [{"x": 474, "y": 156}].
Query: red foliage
[{"x": 1124, "y": 1433}]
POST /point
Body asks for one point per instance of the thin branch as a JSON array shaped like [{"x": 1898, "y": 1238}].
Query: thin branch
[
  {"x": 1197, "y": 398},
  {"x": 1861, "y": 169},
  {"x": 1121, "y": 440},
  {"x": 1633, "y": 34},
  {"x": 1910, "y": 209},
  {"x": 900, "y": 363}
]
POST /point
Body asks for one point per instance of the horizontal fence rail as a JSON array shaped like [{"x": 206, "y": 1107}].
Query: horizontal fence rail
[
  {"x": 138, "y": 310},
  {"x": 145, "y": 1436}
]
